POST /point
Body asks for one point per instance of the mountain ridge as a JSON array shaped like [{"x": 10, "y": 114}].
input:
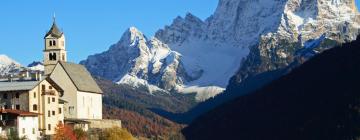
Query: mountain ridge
[
  {"x": 317, "y": 100},
  {"x": 235, "y": 40}
]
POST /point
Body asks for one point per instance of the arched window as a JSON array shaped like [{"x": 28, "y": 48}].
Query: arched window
[
  {"x": 54, "y": 42},
  {"x": 52, "y": 56},
  {"x": 50, "y": 42}
]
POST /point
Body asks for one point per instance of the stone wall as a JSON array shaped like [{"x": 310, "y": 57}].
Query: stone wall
[{"x": 103, "y": 124}]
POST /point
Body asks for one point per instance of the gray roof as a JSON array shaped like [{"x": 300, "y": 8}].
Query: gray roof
[
  {"x": 81, "y": 78},
  {"x": 54, "y": 31},
  {"x": 17, "y": 86}
]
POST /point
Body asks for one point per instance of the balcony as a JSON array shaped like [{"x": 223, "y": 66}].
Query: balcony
[{"x": 48, "y": 92}]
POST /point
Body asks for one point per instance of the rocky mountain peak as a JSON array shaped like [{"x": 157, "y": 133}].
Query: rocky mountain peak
[
  {"x": 242, "y": 38},
  {"x": 7, "y": 65}
]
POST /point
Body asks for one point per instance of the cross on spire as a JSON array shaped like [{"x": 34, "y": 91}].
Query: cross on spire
[{"x": 54, "y": 18}]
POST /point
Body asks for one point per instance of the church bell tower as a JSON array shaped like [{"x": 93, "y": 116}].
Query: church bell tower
[{"x": 54, "y": 48}]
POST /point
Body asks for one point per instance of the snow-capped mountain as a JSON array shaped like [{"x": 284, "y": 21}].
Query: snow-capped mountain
[
  {"x": 242, "y": 38},
  {"x": 36, "y": 66},
  {"x": 7, "y": 65},
  {"x": 300, "y": 23}
]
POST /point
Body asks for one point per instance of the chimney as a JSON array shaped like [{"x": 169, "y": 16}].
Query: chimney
[
  {"x": 27, "y": 74},
  {"x": 38, "y": 76},
  {"x": 10, "y": 78}
]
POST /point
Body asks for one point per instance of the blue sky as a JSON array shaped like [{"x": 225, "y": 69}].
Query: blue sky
[{"x": 90, "y": 26}]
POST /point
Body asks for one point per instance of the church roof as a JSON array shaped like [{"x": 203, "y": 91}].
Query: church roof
[
  {"x": 54, "y": 31},
  {"x": 81, "y": 78}
]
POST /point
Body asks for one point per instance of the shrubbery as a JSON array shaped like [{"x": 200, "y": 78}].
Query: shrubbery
[{"x": 115, "y": 133}]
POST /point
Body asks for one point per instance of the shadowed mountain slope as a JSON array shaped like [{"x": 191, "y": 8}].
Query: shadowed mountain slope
[{"x": 318, "y": 100}]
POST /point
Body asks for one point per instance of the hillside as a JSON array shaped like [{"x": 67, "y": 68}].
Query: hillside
[
  {"x": 318, "y": 100},
  {"x": 144, "y": 126},
  {"x": 133, "y": 108}
]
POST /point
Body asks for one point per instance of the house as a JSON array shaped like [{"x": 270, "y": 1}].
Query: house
[
  {"x": 32, "y": 97},
  {"x": 24, "y": 123}
]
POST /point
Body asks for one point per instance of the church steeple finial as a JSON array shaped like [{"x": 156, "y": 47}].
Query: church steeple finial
[{"x": 54, "y": 18}]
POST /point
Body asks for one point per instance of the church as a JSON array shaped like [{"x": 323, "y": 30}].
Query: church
[
  {"x": 82, "y": 94},
  {"x": 64, "y": 93}
]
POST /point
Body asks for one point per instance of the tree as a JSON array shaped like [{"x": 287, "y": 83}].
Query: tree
[
  {"x": 64, "y": 132},
  {"x": 115, "y": 133},
  {"x": 13, "y": 135}
]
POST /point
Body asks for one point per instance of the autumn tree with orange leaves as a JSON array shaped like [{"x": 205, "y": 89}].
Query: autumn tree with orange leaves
[{"x": 64, "y": 132}]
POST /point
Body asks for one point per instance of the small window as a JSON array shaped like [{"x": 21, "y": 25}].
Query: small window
[
  {"x": 17, "y": 95},
  {"x": 59, "y": 110},
  {"x": 5, "y": 96},
  {"x": 48, "y": 100},
  {"x": 53, "y": 113},
  {"x": 33, "y": 130},
  {"x": 53, "y": 99},
  {"x": 50, "y": 43},
  {"x": 34, "y": 94},
  {"x": 35, "y": 107},
  {"x": 71, "y": 110},
  {"x": 49, "y": 126},
  {"x": 43, "y": 87},
  {"x": 63, "y": 57},
  {"x": 23, "y": 130},
  {"x": 63, "y": 43},
  {"x": 54, "y": 42},
  {"x": 49, "y": 115},
  {"x": 17, "y": 107},
  {"x": 50, "y": 87}
]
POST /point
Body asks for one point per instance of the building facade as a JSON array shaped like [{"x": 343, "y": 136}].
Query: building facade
[
  {"x": 39, "y": 97},
  {"x": 81, "y": 92},
  {"x": 54, "y": 51},
  {"x": 34, "y": 104}
]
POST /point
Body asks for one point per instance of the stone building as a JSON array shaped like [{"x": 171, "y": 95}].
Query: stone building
[{"x": 83, "y": 95}]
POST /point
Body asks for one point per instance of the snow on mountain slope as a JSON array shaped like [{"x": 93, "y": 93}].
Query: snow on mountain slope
[
  {"x": 242, "y": 38},
  {"x": 7, "y": 65},
  {"x": 142, "y": 63},
  {"x": 301, "y": 21},
  {"x": 36, "y": 66}
]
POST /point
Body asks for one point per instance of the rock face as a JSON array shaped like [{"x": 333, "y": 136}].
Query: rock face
[
  {"x": 7, "y": 65},
  {"x": 301, "y": 22},
  {"x": 242, "y": 38},
  {"x": 140, "y": 62}
]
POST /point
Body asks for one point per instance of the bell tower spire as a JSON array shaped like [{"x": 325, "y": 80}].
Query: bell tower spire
[{"x": 54, "y": 47}]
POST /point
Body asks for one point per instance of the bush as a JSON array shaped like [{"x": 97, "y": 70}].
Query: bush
[
  {"x": 80, "y": 134},
  {"x": 115, "y": 133}
]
